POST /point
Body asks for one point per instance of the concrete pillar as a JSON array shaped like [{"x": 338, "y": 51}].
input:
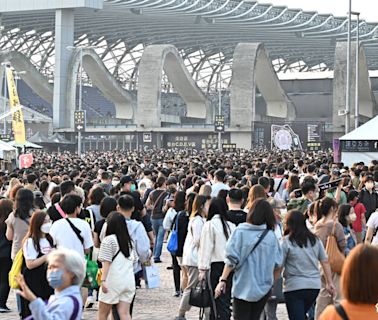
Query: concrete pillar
[
  {"x": 64, "y": 36},
  {"x": 242, "y": 139}
]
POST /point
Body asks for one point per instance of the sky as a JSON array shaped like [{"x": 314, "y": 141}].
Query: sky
[{"x": 367, "y": 8}]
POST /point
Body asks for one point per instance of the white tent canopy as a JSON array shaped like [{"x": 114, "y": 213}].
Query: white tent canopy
[
  {"x": 368, "y": 131},
  {"x": 7, "y": 152},
  {"x": 360, "y": 144}
]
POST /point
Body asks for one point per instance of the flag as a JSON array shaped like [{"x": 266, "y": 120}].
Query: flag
[{"x": 18, "y": 124}]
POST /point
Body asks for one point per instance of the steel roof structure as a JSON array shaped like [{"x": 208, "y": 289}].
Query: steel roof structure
[{"x": 204, "y": 31}]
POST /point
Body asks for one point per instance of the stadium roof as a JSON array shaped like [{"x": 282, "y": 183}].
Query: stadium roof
[{"x": 205, "y": 31}]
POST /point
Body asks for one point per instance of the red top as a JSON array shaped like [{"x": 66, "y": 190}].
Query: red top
[{"x": 360, "y": 210}]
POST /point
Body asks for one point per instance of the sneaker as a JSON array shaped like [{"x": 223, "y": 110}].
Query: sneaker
[
  {"x": 5, "y": 309},
  {"x": 158, "y": 261},
  {"x": 89, "y": 303},
  {"x": 170, "y": 267},
  {"x": 177, "y": 294},
  {"x": 180, "y": 318}
]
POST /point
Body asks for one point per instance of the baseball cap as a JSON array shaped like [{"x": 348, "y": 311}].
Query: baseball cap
[{"x": 125, "y": 179}]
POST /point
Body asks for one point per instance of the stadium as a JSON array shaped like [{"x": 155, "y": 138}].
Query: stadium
[{"x": 155, "y": 73}]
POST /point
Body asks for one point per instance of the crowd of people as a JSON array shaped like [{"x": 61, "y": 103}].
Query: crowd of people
[{"x": 253, "y": 229}]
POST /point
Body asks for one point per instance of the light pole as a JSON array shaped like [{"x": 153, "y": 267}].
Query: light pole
[
  {"x": 5, "y": 65},
  {"x": 80, "y": 107},
  {"x": 356, "y": 97},
  {"x": 347, "y": 98},
  {"x": 220, "y": 106}
]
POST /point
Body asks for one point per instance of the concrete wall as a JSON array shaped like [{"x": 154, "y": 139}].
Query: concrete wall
[
  {"x": 367, "y": 103},
  {"x": 102, "y": 79},
  {"x": 253, "y": 68},
  {"x": 155, "y": 59}
]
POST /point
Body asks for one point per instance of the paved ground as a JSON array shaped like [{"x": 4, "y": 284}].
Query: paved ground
[{"x": 158, "y": 304}]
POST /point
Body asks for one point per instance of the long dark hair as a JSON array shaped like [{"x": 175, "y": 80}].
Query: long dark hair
[
  {"x": 297, "y": 230},
  {"x": 117, "y": 225},
  {"x": 343, "y": 213},
  {"x": 179, "y": 201},
  {"x": 217, "y": 206},
  {"x": 37, "y": 220},
  {"x": 6, "y": 207},
  {"x": 24, "y": 203}
]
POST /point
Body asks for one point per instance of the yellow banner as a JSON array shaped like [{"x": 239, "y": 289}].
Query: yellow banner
[{"x": 18, "y": 124}]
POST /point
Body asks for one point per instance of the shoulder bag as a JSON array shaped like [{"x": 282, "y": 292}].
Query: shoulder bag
[
  {"x": 341, "y": 312},
  {"x": 172, "y": 244},
  {"x": 335, "y": 257}
]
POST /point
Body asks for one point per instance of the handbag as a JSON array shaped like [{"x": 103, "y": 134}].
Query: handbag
[
  {"x": 202, "y": 296},
  {"x": 172, "y": 244},
  {"x": 151, "y": 276},
  {"x": 90, "y": 280},
  {"x": 15, "y": 271},
  {"x": 335, "y": 257}
]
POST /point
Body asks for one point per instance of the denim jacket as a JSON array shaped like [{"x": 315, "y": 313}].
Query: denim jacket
[{"x": 254, "y": 277}]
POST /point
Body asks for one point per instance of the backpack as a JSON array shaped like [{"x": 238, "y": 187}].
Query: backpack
[
  {"x": 15, "y": 271},
  {"x": 300, "y": 204}
]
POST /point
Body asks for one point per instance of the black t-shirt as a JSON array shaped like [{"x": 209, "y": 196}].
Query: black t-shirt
[
  {"x": 138, "y": 207},
  {"x": 53, "y": 213},
  {"x": 5, "y": 244},
  {"x": 98, "y": 226},
  {"x": 236, "y": 216},
  {"x": 182, "y": 230}
]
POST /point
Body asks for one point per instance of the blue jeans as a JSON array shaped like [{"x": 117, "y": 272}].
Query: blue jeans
[
  {"x": 298, "y": 302},
  {"x": 157, "y": 225}
]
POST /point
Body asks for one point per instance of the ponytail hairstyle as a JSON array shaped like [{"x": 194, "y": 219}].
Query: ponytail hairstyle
[{"x": 323, "y": 207}]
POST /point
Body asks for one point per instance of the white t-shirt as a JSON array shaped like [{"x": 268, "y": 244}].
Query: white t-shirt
[
  {"x": 215, "y": 188},
  {"x": 29, "y": 251},
  {"x": 64, "y": 236},
  {"x": 373, "y": 224}
]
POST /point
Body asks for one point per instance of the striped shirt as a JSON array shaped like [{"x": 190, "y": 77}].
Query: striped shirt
[{"x": 109, "y": 248}]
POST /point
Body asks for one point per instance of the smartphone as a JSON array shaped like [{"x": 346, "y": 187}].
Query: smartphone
[{"x": 298, "y": 193}]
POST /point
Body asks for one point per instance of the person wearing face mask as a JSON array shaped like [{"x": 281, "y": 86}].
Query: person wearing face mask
[
  {"x": 36, "y": 246},
  {"x": 360, "y": 224},
  {"x": 346, "y": 217},
  {"x": 368, "y": 197},
  {"x": 65, "y": 274}
]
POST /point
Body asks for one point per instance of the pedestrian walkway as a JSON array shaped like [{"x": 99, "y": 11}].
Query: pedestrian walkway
[{"x": 158, "y": 304}]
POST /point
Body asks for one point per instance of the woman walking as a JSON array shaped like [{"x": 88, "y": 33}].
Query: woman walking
[
  {"x": 170, "y": 223},
  {"x": 191, "y": 245},
  {"x": 6, "y": 207},
  {"x": 117, "y": 281},
  {"x": 36, "y": 246},
  {"x": 255, "y": 256},
  {"x": 302, "y": 252},
  {"x": 326, "y": 226},
  {"x": 211, "y": 254}
]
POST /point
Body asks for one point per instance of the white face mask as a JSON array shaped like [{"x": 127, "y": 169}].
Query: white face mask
[
  {"x": 353, "y": 217},
  {"x": 45, "y": 228}
]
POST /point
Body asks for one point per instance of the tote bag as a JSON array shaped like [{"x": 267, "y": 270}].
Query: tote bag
[{"x": 335, "y": 257}]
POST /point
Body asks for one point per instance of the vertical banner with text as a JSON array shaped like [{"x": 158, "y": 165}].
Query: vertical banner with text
[{"x": 18, "y": 124}]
